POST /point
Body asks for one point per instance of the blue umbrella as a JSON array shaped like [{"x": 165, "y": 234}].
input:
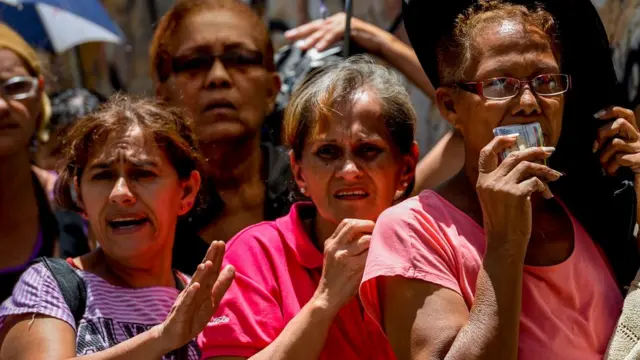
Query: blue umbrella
[{"x": 58, "y": 25}]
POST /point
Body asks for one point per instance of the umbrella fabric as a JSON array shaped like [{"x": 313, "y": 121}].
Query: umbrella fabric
[{"x": 58, "y": 25}]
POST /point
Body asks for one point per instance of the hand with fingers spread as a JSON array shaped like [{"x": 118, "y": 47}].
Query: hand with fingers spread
[
  {"x": 199, "y": 300},
  {"x": 323, "y": 33},
  {"x": 345, "y": 254},
  {"x": 505, "y": 189}
]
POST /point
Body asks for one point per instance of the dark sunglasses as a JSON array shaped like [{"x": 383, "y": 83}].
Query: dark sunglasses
[
  {"x": 233, "y": 59},
  {"x": 503, "y": 88}
]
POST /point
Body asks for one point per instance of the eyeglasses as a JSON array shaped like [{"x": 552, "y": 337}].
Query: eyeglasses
[
  {"x": 503, "y": 88},
  {"x": 234, "y": 59},
  {"x": 19, "y": 88}
]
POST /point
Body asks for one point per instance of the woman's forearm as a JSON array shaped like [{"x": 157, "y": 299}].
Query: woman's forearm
[
  {"x": 494, "y": 320},
  {"x": 402, "y": 57},
  {"x": 304, "y": 336}
]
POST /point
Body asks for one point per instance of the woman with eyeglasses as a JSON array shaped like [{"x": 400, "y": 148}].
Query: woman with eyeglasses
[
  {"x": 214, "y": 58},
  {"x": 525, "y": 254},
  {"x": 28, "y": 226}
]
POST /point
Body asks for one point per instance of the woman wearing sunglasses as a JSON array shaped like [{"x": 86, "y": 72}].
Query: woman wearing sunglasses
[
  {"x": 28, "y": 226},
  {"x": 214, "y": 59},
  {"x": 523, "y": 256}
]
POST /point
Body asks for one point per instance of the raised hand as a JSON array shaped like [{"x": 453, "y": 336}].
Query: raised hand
[
  {"x": 199, "y": 300},
  {"x": 504, "y": 190},
  {"x": 323, "y": 33},
  {"x": 345, "y": 254},
  {"x": 619, "y": 142}
]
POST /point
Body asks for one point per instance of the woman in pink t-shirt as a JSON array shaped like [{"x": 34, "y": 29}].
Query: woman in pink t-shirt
[
  {"x": 351, "y": 132},
  {"x": 493, "y": 266},
  {"x": 134, "y": 165}
]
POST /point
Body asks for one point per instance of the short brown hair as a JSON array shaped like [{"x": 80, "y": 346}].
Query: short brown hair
[
  {"x": 337, "y": 84},
  {"x": 168, "y": 127},
  {"x": 160, "y": 52},
  {"x": 454, "y": 51}
]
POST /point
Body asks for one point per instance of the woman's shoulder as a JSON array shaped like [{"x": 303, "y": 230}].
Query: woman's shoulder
[
  {"x": 428, "y": 204},
  {"x": 430, "y": 218},
  {"x": 258, "y": 235},
  {"x": 37, "y": 292}
]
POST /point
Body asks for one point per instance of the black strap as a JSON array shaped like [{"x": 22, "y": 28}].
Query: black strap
[
  {"x": 48, "y": 223},
  {"x": 70, "y": 283},
  {"x": 74, "y": 291}
]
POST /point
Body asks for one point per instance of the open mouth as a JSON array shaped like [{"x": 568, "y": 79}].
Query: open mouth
[
  {"x": 351, "y": 195},
  {"x": 9, "y": 126},
  {"x": 219, "y": 105},
  {"x": 127, "y": 223}
]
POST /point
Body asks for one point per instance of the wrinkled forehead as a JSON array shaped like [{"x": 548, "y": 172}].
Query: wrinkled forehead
[
  {"x": 11, "y": 64},
  {"x": 130, "y": 145},
  {"x": 215, "y": 30},
  {"x": 360, "y": 117},
  {"x": 511, "y": 47}
]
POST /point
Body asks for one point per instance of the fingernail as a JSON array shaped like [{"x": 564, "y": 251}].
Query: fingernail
[
  {"x": 600, "y": 113},
  {"x": 289, "y": 32},
  {"x": 595, "y": 147},
  {"x": 547, "y": 194},
  {"x": 549, "y": 149},
  {"x": 514, "y": 135}
]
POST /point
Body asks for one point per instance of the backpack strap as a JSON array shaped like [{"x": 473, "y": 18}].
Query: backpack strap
[{"x": 70, "y": 283}]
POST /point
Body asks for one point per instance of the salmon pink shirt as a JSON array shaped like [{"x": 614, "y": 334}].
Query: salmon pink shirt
[
  {"x": 278, "y": 269},
  {"x": 569, "y": 310}
]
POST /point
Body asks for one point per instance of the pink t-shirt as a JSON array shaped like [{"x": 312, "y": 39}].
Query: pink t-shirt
[
  {"x": 278, "y": 269},
  {"x": 569, "y": 310}
]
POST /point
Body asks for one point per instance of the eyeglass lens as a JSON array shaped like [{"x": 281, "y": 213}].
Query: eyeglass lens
[
  {"x": 204, "y": 62},
  {"x": 504, "y": 87},
  {"x": 18, "y": 87}
]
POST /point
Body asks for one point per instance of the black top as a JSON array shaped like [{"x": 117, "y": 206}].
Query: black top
[
  {"x": 49, "y": 233},
  {"x": 189, "y": 248}
]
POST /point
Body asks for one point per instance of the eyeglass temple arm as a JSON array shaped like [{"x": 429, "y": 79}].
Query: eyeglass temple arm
[{"x": 474, "y": 87}]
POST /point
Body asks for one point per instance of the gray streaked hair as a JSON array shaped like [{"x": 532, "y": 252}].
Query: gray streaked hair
[{"x": 336, "y": 85}]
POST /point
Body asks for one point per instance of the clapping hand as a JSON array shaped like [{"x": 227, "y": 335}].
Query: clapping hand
[{"x": 197, "y": 303}]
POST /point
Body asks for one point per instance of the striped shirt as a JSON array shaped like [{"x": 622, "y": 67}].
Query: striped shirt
[{"x": 113, "y": 314}]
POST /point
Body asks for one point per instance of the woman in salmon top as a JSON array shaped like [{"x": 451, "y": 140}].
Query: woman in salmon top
[
  {"x": 493, "y": 266},
  {"x": 351, "y": 133}
]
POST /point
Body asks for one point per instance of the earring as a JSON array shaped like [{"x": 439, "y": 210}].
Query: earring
[
  {"x": 405, "y": 184},
  {"x": 303, "y": 190}
]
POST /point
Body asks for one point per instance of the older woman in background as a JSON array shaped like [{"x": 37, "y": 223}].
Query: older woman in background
[
  {"x": 28, "y": 226},
  {"x": 214, "y": 59}
]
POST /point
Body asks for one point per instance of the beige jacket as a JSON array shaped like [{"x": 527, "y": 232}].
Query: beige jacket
[{"x": 625, "y": 342}]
